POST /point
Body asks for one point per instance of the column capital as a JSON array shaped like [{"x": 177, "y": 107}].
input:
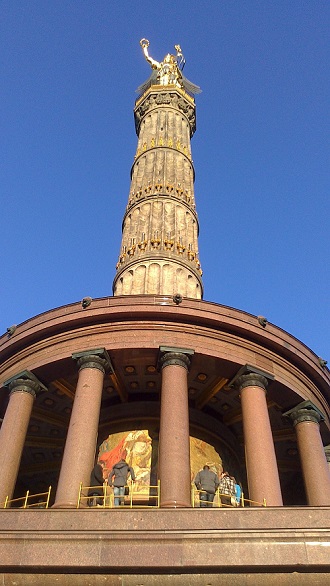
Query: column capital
[
  {"x": 305, "y": 411},
  {"x": 25, "y": 382},
  {"x": 175, "y": 356},
  {"x": 248, "y": 376},
  {"x": 251, "y": 379},
  {"x": 97, "y": 358},
  {"x": 159, "y": 96}
]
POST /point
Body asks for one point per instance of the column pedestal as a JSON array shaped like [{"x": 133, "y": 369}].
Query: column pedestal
[
  {"x": 79, "y": 452},
  {"x": 174, "y": 446},
  {"x": 261, "y": 465}
]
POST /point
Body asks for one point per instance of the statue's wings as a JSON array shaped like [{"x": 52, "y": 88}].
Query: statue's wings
[
  {"x": 152, "y": 80},
  {"x": 190, "y": 87}
]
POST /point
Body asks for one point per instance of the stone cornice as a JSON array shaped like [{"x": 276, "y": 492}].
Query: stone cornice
[{"x": 218, "y": 322}]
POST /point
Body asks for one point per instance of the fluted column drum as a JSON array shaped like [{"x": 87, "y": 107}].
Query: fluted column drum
[{"x": 159, "y": 249}]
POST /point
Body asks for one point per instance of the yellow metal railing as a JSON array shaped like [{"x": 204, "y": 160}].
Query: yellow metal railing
[
  {"x": 252, "y": 503},
  {"x": 136, "y": 496},
  {"x": 39, "y": 500},
  {"x": 146, "y": 496},
  {"x": 196, "y": 500},
  {"x": 90, "y": 500}
]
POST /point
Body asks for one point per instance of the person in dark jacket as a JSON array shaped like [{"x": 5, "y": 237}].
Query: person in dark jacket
[
  {"x": 207, "y": 483},
  {"x": 96, "y": 484},
  {"x": 118, "y": 479}
]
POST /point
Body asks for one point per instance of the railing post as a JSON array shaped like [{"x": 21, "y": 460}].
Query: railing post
[
  {"x": 79, "y": 494},
  {"x": 48, "y": 497},
  {"x": 26, "y": 499}
]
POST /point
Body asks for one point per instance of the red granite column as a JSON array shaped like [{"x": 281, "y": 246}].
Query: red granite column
[
  {"x": 13, "y": 432},
  {"x": 174, "y": 447},
  {"x": 79, "y": 452},
  {"x": 261, "y": 465},
  {"x": 315, "y": 469}
]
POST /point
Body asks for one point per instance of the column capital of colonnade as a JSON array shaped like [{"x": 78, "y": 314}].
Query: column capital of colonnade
[
  {"x": 170, "y": 356},
  {"x": 251, "y": 379},
  {"x": 305, "y": 411},
  {"x": 25, "y": 382},
  {"x": 251, "y": 376},
  {"x": 97, "y": 358}
]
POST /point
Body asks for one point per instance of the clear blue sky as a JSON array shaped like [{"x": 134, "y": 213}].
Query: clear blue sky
[{"x": 69, "y": 70}]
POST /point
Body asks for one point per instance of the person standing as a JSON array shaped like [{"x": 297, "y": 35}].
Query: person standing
[
  {"x": 207, "y": 483},
  {"x": 227, "y": 489},
  {"x": 118, "y": 479},
  {"x": 238, "y": 494},
  {"x": 96, "y": 484}
]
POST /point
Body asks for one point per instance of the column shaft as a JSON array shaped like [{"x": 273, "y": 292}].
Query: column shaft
[
  {"x": 12, "y": 437},
  {"x": 261, "y": 465},
  {"x": 314, "y": 464},
  {"x": 79, "y": 452},
  {"x": 174, "y": 447}
]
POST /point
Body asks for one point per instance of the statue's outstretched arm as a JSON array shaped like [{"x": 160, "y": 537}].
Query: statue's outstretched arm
[{"x": 145, "y": 44}]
